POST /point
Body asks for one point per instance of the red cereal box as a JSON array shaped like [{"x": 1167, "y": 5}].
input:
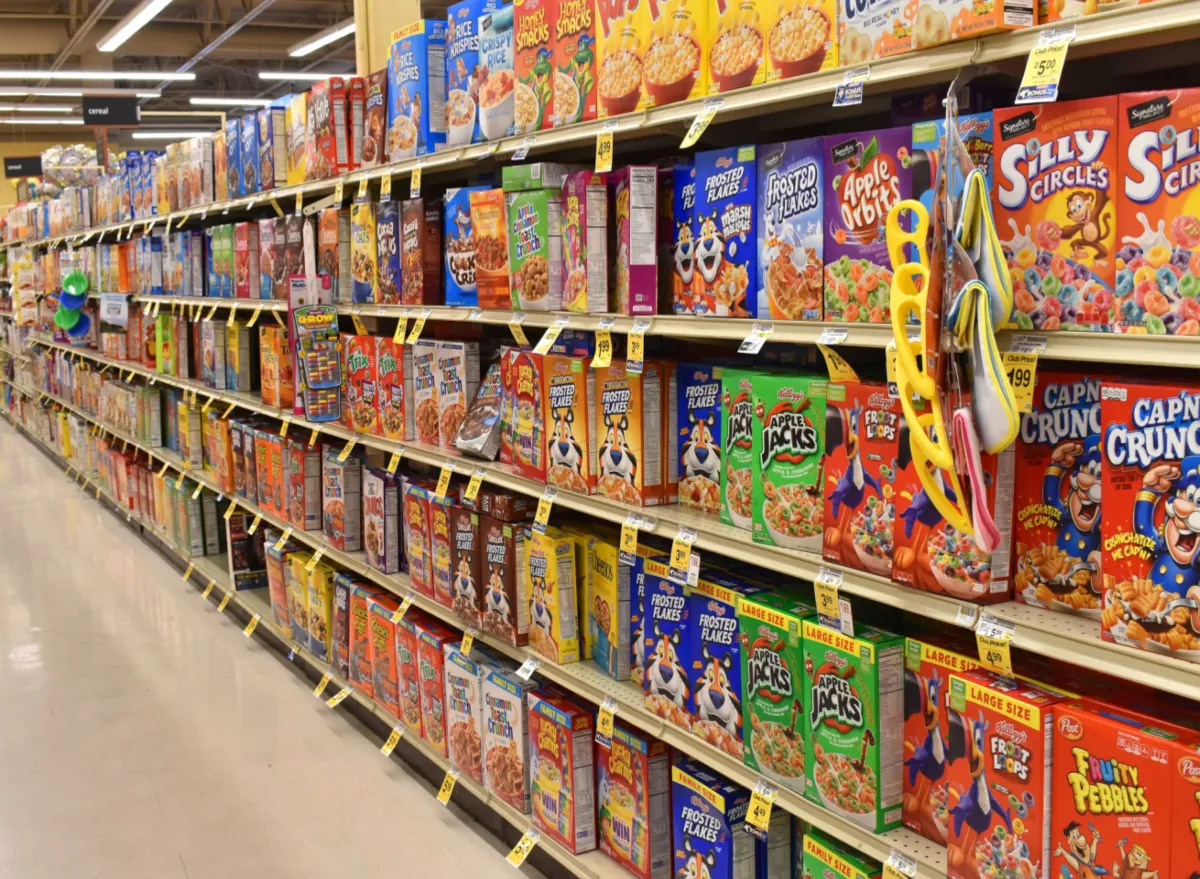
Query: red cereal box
[
  {"x": 529, "y": 430},
  {"x": 1055, "y": 176},
  {"x": 862, "y": 426},
  {"x": 384, "y": 670},
  {"x": 441, "y": 572},
  {"x": 361, "y": 377},
  {"x": 360, "y": 636},
  {"x": 534, "y": 25},
  {"x": 1056, "y": 521},
  {"x": 560, "y": 771},
  {"x": 389, "y": 396},
  {"x": 409, "y": 675},
  {"x": 1184, "y": 829},
  {"x": 999, "y": 749},
  {"x": 1150, "y": 476},
  {"x": 633, "y": 802},
  {"x": 432, "y": 637},
  {"x": 1158, "y": 219}
]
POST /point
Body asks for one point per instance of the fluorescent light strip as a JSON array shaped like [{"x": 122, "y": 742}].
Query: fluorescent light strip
[
  {"x": 36, "y": 108},
  {"x": 137, "y": 18},
  {"x": 19, "y": 92},
  {"x": 324, "y": 38},
  {"x": 230, "y": 102},
  {"x": 73, "y": 120},
  {"x": 89, "y": 75},
  {"x": 283, "y": 76},
  {"x": 170, "y": 135}
]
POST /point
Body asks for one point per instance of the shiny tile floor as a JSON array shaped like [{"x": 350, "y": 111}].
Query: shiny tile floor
[{"x": 142, "y": 736}]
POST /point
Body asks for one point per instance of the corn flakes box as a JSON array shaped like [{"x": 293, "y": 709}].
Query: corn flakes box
[
  {"x": 458, "y": 380},
  {"x": 458, "y": 276},
  {"x": 876, "y": 30},
  {"x": 506, "y": 589},
  {"x": 928, "y": 664},
  {"x": 822, "y": 855},
  {"x": 574, "y": 62},
  {"x": 725, "y": 233},
  {"x": 506, "y": 737},
  {"x": 465, "y": 565},
  {"x": 534, "y": 25},
  {"x": 790, "y": 230},
  {"x": 800, "y": 38},
  {"x": 361, "y": 377},
  {"x": 363, "y": 268},
  {"x": 1054, "y": 192},
  {"x": 360, "y": 637},
  {"x": 862, "y": 430},
  {"x": 1158, "y": 224},
  {"x": 699, "y": 433},
  {"x": 416, "y": 538},
  {"x": 432, "y": 639},
  {"x": 735, "y": 44},
  {"x": 666, "y": 644},
  {"x": 320, "y": 610},
  {"x": 425, "y": 390},
  {"x": 737, "y": 433},
  {"x": 774, "y": 725},
  {"x": 853, "y": 698},
  {"x": 490, "y": 231},
  {"x": 1150, "y": 461},
  {"x": 1001, "y": 813},
  {"x": 788, "y": 441},
  {"x": 550, "y": 585},
  {"x": 390, "y": 370},
  {"x": 1057, "y": 517},
  {"x": 409, "y": 678},
  {"x": 560, "y": 771},
  {"x": 387, "y": 250},
  {"x": 708, "y": 820},
  {"x": 385, "y": 686},
  {"x": 570, "y": 394},
  {"x": 865, "y": 174},
  {"x": 633, "y": 803},
  {"x": 416, "y": 117}
]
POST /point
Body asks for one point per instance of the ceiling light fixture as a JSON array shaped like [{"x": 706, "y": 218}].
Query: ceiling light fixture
[
  {"x": 19, "y": 92},
  {"x": 72, "y": 120},
  {"x": 285, "y": 76},
  {"x": 36, "y": 108},
  {"x": 169, "y": 135},
  {"x": 87, "y": 75},
  {"x": 137, "y": 18},
  {"x": 230, "y": 102},
  {"x": 324, "y": 38}
]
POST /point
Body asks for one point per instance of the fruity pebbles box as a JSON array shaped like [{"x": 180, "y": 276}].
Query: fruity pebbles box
[
  {"x": 1056, "y": 520},
  {"x": 708, "y": 827},
  {"x": 1158, "y": 220},
  {"x": 416, "y": 116},
  {"x": 853, "y": 696},
  {"x": 725, "y": 236},
  {"x": 1150, "y": 469},
  {"x": 790, "y": 230},
  {"x": 560, "y": 771},
  {"x": 865, "y": 175},
  {"x": 633, "y": 803},
  {"x": 827, "y": 858},
  {"x": 698, "y": 392},
  {"x": 1054, "y": 187}
]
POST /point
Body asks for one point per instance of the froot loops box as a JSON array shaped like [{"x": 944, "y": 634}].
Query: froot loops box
[
  {"x": 1056, "y": 171},
  {"x": 726, "y": 258},
  {"x": 1150, "y": 468},
  {"x": 1057, "y": 516},
  {"x": 633, "y": 803},
  {"x": 1158, "y": 213}
]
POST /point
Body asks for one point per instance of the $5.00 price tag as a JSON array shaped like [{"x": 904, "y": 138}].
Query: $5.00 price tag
[
  {"x": 447, "y": 787},
  {"x": 758, "y": 813},
  {"x": 524, "y": 846},
  {"x": 899, "y": 866},
  {"x": 1044, "y": 67},
  {"x": 994, "y": 637}
]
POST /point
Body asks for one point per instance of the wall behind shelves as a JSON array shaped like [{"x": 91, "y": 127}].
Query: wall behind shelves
[{"x": 21, "y": 147}]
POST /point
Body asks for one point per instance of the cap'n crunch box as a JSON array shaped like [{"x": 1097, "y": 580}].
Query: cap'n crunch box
[
  {"x": 862, "y": 427},
  {"x": 1158, "y": 220},
  {"x": 409, "y": 678},
  {"x": 432, "y": 638},
  {"x": 574, "y": 62},
  {"x": 534, "y": 26},
  {"x": 630, "y": 434},
  {"x": 1055, "y": 176},
  {"x": 1057, "y": 520},
  {"x": 529, "y": 449},
  {"x": 570, "y": 395},
  {"x": 560, "y": 771},
  {"x": 633, "y": 803},
  {"x": 385, "y": 686},
  {"x": 1150, "y": 469}
]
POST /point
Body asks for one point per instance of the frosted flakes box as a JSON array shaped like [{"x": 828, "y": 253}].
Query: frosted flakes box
[
  {"x": 381, "y": 520},
  {"x": 716, "y": 661},
  {"x": 700, "y": 429},
  {"x": 387, "y": 250},
  {"x": 725, "y": 233},
  {"x": 561, "y": 776},
  {"x": 682, "y": 209},
  {"x": 1055, "y": 175},
  {"x": 630, "y": 429},
  {"x": 506, "y": 737},
  {"x": 506, "y": 596},
  {"x": 464, "y": 72},
  {"x": 416, "y": 90},
  {"x": 790, "y": 229},
  {"x": 709, "y": 815},
  {"x": 570, "y": 395},
  {"x": 574, "y": 62},
  {"x": 667, "y": 645},
  {"x": 466, "y": 551},
  {"x": 633, "y": 803},
  {"x": 800, "y": 38},
  {"x": 496, "y": 92},
  {"x": 363, "y": 268},
  {"x": 534, "y": 26},
  {"x": 458, "y": 277},
  {"x": 465, "y": 720},
  {"x": 585, "y": 241},
  {"x": 868, "y": 31}
]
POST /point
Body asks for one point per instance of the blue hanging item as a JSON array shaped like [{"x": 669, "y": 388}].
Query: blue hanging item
[
  {"x": 81, "y": 327},
  {"x": 71, "y": 300}
]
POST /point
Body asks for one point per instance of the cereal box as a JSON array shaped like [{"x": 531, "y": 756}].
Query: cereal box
[
  {"x": 822, "y": 855},
  {"x": 465, "y": 720},
  {"x": 928, "y": 137},
  {"x": 725, "y": 236},
  {"x": 375, "y": 107},
  {"x": 799, "y": 38},
  {"x": 633, "y": 282},
  {"x": 245, "y": 261},
  {"x": 506, "y": 737},
  {"x": 342, "y": 505},
  {"x": 248, "y": 185},
  {"x": 220, "y": 170},
  {"x": 425, "y": 390},
  {"x": 267, "y": 254},
  {"x": 735, "y": 46},
  {"x": 360, "y": 637},
  {"x": 272, "y": 146},
  {"x": 381, "y": 520},
  {"x": 560, "y": 771},
  {"x": 535, "y": 249},
  {"x": 630, "y": 433},
  {"x": 774, "y": 724},
  {"x": 343, "y": 588},
  {"x": 491, "y": 248},
  {"x": 864, "y": 174},
  {"x": 421, "y": 252},
  {"x": 303, "y": 484},
  {"x": 496, "y": 94},
  {"x": 716, "y": 662},
  {"x": 296, "y": 120},
  {"x": 787, "y": 444},
  {"x": 938, "y": 21},
  {"x": 333, "y": 253},
  {"x": 1185, "y": 813},
  {"x": 875, "y": 30},
  {"x": 363, "y": 269},
  {"x": 464, "y": 73},
  {"x": 465, "y": 564},
  {"x": 295, "y": 580},
  {"x": 506, "y": 595},
  {"x": 1154, "y": 262},
  {"x": 361, "y": 379},
  {"x": 529, "y": 451},
  {"x": 391, "y": 373},
  {"x": 550, "y": 569},
  {"x": 585, "y": 240},
  {"x": 709, "y": 814},
  {"x": 1058, "y": 10},
  {"x": 534, "y": 25},
  {"x": 328, "y": 150},
  {"x": 439, "y": 549},
  {"x": 416, "y": 90},
  {"x": 277, "y": 562},
  {"x": 667, "y": 645},
  {"x": 409, "y": 678},
  {"x": 680, "y": 212},
  {"x": 853, "y": 697},
  {"x": 1056, "y": 522},
  {"x": 479, "y": 433},
  {"x": 416, "y": 538},
  {"x": 233, "y": 159},
  {"x": 1054, "y": 187},
  {"x": 1000, "y": 812},
  {"x": 862, "y": 429},
  {"x": 609, "y": 611},
  {"x": 320, "y": 610},
  {"x": 387, "y": 250},
  {"x": 699, "y": 436},
  {"x": 275, "y": 366},
  {"x": 383, "y": 657},
  {"x": 570, "y": 396},
  {"x": 432, "y": 639},
  {"x": 1150, "y": 463},
  {"x": 574, "y": 62},
  {"x": 458, "y": 380},
  {"x": 633, "y": 803},
  {"x": 790, "y": 230},
  {"x": 458, "y": 278},
  {"x": 928, "y": 664}
]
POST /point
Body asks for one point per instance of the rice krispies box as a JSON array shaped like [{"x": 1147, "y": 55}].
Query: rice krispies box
[
  {"x": 667, "y": 645},
  {"x": 1000, "y": 735},
  {"x": 699, "y": 432},
  {"x": 1057, "y": 514},
  {"x": 633, "y": 803},
  {"x": 1055, "y": 180},
  {"x": 874, "y": 30},
  {"x": 790, "y": 227},
  {"x": 865, "y": 174},
  {"x": 562, "y": 783},
  {"x": 570, "y": 395},
  {"x": 416, "y": 117},
  {"x": 726, "y": 259},
  {"x": 1158, "y": 213},
  {"x": 1150, "y": 467},
  {"x": 506, "y": 737},
  {"x": 708, "y": 818},
  {"x": 432, "y": 639},
  {"x": 464, "y": 73},
  {"x": 854, "y": 699},
  {"x": 862, "y": 429},
  {"x": 465, "y": 674}
]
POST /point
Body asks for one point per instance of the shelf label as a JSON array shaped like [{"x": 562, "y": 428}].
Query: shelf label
[
  {"x": 228, "y": 409},
  {"x": 284, "y": 425},
  {"x": 1044, "y": 67},
  {"x": 521, "y": 152},
  {"x": 312, "y": 437},
  {"x": 756, "y": 338},
  {"x": 550, "y": 336},
  {"x": 321, "y": 685},
  {"x": 635, "y": 355},
  {"x": 414, "y": 183},
  {"x": 473, "y": 486},
  {"x": 197, "y": 492},
  {"x": 850, "y": 92},
  {"x": 208, "y": 589},
  {"x": 401, "y": 330},
  {"x": 604, "y": 152},
  {"x": 604, "y": 721},
  {"x": 418, "y": 325},
  {"x": 397, "y": 732},
  {"x": 254, "y": 316},
  {"x": 299, "y": 203},
  {"x": 994, "y": 639},
  {"x": 514, "y": 324},
  {"x": 528, "y": 667},
  {"x": 252, "y": 625},
  {"x": 363, "y": 193},
  {"x": 833, "y": 336},
  {"x": 701, "y": 122},
  {"x": 468, "y": 641},
  {"x": 1021, "y": 367},
  {"x": 899, "y": 866},
  {"x": 385, "y": 194},
  {"x": 399, "y": 613},
  {"x": 188, "y": 573},
  {"x": 224, "y": 603},
  {"x": 604, "y": 346},
  {"x": 542, "y": 517},
  {"x": 629, "y": 538},
  {"x": 474, "y": 315},
  {"x": 839, "y": 369},
  {"x": 394, "y": 461},
  {"x": 230, "y": 510},
  {"x": 443, "y": 483},
  {"x": 758, "y": 813},
  {"x": 339, "y": 192},
  {"x": 346, "y": 450},
  {"x": 447, "y": 788},
  {"x": 524, "y": 846},
  {"x": 826, "y": 586},
  {"x": 315, "y": 560},
  {"x": 966, "y": 616},
  {"x": 338, "y": 698},
  {"x": 359, "y": 327},
  {"x": 681, "y": 555},
  {"x": 254, "y": 525}
]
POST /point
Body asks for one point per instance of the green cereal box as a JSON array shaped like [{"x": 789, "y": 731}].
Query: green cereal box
[
  {"x": 773, "y": 724},
  {"x": 788, "y": 443},
  {"x": 826, "y": 858},
  {"x": 535, "y": 249},
  {"x": 854, "y": 702},
  {"x": 737, "y": 431}
]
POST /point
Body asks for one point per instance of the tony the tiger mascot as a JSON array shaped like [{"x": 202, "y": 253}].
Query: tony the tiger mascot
[
  {"x": 665, "y": 675},
  {"x": 615, "y": 457},
  {"x": 564, "y": 450},
  {"x": 701, "y": 455}
]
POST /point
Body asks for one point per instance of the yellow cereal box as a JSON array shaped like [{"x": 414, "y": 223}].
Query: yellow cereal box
[
  {"x": 295, "y": 581},
  {"x": 650, "y": 54},
  {"x": 870, "y": 29},
  {"x": 295, "y": 117},
  {"x": 735, "y": 50},
  {"x": 320, "y": 610},
  {"x": 570, "y": 395},
  {"x": 799, "y": 38},
  {"x": 550, "y": 578}
]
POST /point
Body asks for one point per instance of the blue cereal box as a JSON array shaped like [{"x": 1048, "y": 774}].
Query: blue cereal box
[
  {"x": 272, "y": 146},
  {"x": 464, "y": 73},
  {"x": 709, "y": 818},
  {"x": 725, "y": 239},
  {"x": 790, "y": 230},
  {"x": 683, "y": 237},
  {"x": 496, "y": 52},
  {"x": 699, "y": 442},
  {"x": 233, "y": 153},
  {"x": 416, "y": 118},
  {"x": 249, "y": 147},
  {"x": 387, "y": 249},
  {"x": 975, "y": 131},
  {"x": 667, "y": 645},
  {"x": 459, "y": 247}
]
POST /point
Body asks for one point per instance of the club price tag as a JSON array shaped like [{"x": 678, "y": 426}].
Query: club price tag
[
  {"x": 758, "y": 813},
  {"x": 252, "y": 625},
  {"x": 254, "y": 525},
  {"x": 188, "y": 573},
  {"x": 899, "y": 866},
  {"x": 701, "y": 122},
  {"x": 224, "y": 603},
  {"x": 473, "y": 486},
  {"x": 850, "y": 92},
  {"x": 414, "y": 183},
  {"x": 283, "y": 538},
  {"x": 447, "y": 788},
  {"x": 1021, "y": 368},
  {"x": 1044, "y": 67},
  {"x": 397, "y": 732},
  {"x": 418, "y": 325},
  {"x": 528, "y": 667},
  {"x": 338, "y": 698},
  {"x": 681, "y": 553},
  {"x": 315, "y": 560},
  {"x": 604, "y": 721},
  {"x": 284, "y": 425},
  {"x": 629, "y": 538},
  {"x": 338, "y": 192},
  {"x": 551, "y": 335},
  {"x": 363, "y": 193},
  {"x": 321, "y": 685},
  {"x": 514, "y": 325},
  {"x": 524, "y": 846},
  {"x": 347, "y": 449},
  {"x": 443, "y": 483},
  {"x": 385, "y": 193},
  {"x": 208, "y": 589},
  {"x": 522, "y": 152},
  {"x": 635, "y": 354},
  {"x": 825, "y": 586},
  {"x": 399, "y": 613},
  {"x": 394, "y": 461},
  {"x": 230, "y": 510},
  {"x": 359, "y": 327},
  {"x": 994, "y": 639},
  {"x": 468, "y": 641},
  {"x": 604, "y": 152},
  {"x": 604, "y": 345},
  {"x": 254, "y": 316},
  {"x": 545, "y": 504},
  {"x": 756, "y": 338},
  {"x": 401, "y": 330}
]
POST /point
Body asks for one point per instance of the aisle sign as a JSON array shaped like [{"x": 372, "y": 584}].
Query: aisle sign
[
  {"x": 252, "y": 625},
  {"x": 447, "y": 788},
  {"x": 523, "y": 847},
  {"x": 1044, "y": 67},
  {"x": 994, "y": 639},
  {"x": 321, "y": 685},
  {"x": 224, "y": 602},
  {"x": 397, "y": 732},
  {"x": 338, "y": 698}
]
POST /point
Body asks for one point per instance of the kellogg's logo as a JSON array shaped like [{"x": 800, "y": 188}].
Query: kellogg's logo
[
  {"x": 1189, "y": 768},
  {"x": 1071, "y": 728}
]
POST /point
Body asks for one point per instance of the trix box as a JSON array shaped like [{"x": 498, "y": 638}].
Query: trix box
[
  {"x": 416, "y": 117},
  {"x": 709, "y": 824},
  {"x": 1000, "y": 733},
  {"x": 1056, "y": 519},
  {"x": 1158, "y": 221},
  {"x": 725, "y": 234},
  {"x": 1055, "y": 176},
  {"x": 1150, "y": 470},
  {"x": 862, "y": 425}
]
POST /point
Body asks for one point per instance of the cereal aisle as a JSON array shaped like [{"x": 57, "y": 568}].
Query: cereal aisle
[{"x": 816, "y": 496}]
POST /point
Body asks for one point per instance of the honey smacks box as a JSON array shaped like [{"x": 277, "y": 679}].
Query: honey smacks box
[{"x": 1158, "y": 215}]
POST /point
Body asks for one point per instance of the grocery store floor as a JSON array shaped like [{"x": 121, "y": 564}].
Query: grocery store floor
[{"x": 142, "y": 736}]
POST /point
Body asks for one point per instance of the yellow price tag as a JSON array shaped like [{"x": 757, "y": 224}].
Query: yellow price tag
[
  {"x": 827, "y": 598},
  {"x": 468, "y": 641},
  {"x": 839, "y": 369},
  {"x": 315, "y": 560},
  {"x": 414, "y": 183},
  {"x": 254, "y": 525},
  {"x": 312, "y": 437},
  {"x": 447, "y": 788},
  {"x": 637, "y": 348},
  {"x": 629, "y": 538},
  {"x": 212, "y": 311},
  {"x": 604, "y": 152},
  {"x": 299, "y": 202},
  {"x": 1021, "y": 370},
  {"x": 394, "y": 738},
  {"x": 545, "y": 504},
  {"x": 283, "y": 538},
  {"x": 524, "y": 846},
  {"x": 163, "y": 471},
  {"x": 399, "y": 613},
  {"x": 197, "y": 492},
  {"x": 758, "y": 814},
  {"x": 550, "y": 336},
  {"x": 1044, "y": 67},
  {"x": 518, "y": 333},
  {"x": 362, "y": 190},
  {"x": 224, "y": 602},
  {"x": 681, "y": 548},
  {"x": 339, "y": 191},
  {"x": 252, "y": 625},
  {"x": 208, "y": 589},
  {"x": 443, "y": 483},
  {"x": 901, "y": 866},
  {"x": 274, "y": 204},
  {"x": 394, "y": 461},
  {"x": 700, "y": 123},
  {"x": 473, "y": 486},
  {"x": 228, "y": 409},
  {"x": 604, "y": 349},
  {"x": 230, "y": 510},
  {"x": 284, "y": 425},
  {"x": 993, "y": 637},
  {"x": 254, "y": 316},
  {"x": 186, "y": 574},
  {"x": 401, "y": 331},
  {"x": 385, "y": 187},
  {"x": 415, "y": 334},
  {"x": 359, "y": 327},
  {"x": 347, "y": 449},
  {"x": 604, "y": 719},
  {"x": 321, "y": 685},
  {"x": 338, "y": 698},
  {"x": 179, "y": 483}
]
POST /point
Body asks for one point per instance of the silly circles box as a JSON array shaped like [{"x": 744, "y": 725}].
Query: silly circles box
[
  {"x": 1158, "y": 213},
  {"x": 1055, "y": 180}
]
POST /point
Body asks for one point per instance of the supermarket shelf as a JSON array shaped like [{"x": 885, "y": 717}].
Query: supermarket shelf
[
  {"x": 207, "y": 302},
  {"x": 1061, "y": 636}
]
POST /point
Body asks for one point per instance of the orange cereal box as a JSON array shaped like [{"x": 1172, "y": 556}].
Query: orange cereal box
[
  {"x": 570, "y": 395},
  {"x": 362, "y": 380},
  {"x": 389, "y": 390},
  {"x": 408, "y": 676},
  {"x": 529, "y": 417},
  {"x": 629, "y": 434},
  {"x": 1158, "y": 213},
  {"x": 1055, "y": 179},
  {"x": 575, "y": 62},
  {"x": 870, "y": 29},
  {"x": 490, "y": 229},
  {"x": 799, "y": 38},
  {"x": 534, "y": 26},
  {"x": 275, "y": 367},
  {"x": 385, "y": 687},
  {"x": 939, "y": 21},
  {"x": 1060, "y": 10}
]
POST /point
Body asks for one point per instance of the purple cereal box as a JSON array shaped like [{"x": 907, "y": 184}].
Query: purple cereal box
[
  {"x": 633, "y": 194},
  {"x": 865, "y": 174}
]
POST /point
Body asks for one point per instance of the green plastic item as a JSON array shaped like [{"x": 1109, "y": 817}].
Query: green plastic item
[
  {"x": 76, "y": 283},
  {"x": 65, "y": 318}
]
